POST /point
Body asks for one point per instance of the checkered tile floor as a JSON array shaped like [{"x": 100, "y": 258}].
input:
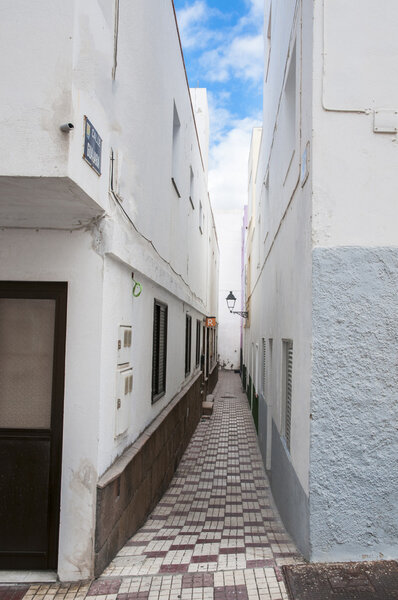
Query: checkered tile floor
[{"x": 215, "y": 534}]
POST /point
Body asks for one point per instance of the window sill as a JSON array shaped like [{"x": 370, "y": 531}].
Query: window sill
[{"x": 158, "y": 397}]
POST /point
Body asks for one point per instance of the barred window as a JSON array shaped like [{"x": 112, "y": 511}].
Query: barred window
[
  {"x": 197, "y": 355},
  {"x": 188, "y": 339},
  {"x": 287, "y": 369},
  {"x": 159, "y": 351}
]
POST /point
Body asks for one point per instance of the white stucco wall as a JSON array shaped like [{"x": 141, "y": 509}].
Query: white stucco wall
[
  {"x": 352, "y": 481},
  {"x": 67, "y": 256},
  {"x": 279, "y": 233},
  {"x": 35, "y": 102},
  {"x": 98, "y": 239},
  {"x": 121, "y": 308},
  {"x": 354, "y": 173},
  {"x": 278, "y": 258},
  {"x": 133, "y": 115},
  {"x": 328, "y": 272}
]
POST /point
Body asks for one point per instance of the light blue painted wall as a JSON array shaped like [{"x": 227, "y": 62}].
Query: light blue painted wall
[{"x": 354, "y": 437}]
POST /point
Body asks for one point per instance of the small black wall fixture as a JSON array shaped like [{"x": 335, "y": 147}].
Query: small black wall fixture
[{"x": 231, "y": 305}]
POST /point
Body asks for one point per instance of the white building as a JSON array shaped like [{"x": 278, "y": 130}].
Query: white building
[
  {"x": 320, "y": 347},
  {"x": 108, "y": 270},
  {"x": 229, "y": 328}
]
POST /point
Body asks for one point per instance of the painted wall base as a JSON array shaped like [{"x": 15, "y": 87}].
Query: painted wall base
[
  {"x": 212, "y": 380},
  {"x": 290, "y": 498}
]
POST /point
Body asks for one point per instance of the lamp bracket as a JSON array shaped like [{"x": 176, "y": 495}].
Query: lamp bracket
[{"x": 242, "y": 313}]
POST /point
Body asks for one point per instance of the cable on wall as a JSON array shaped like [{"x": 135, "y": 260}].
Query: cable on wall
[{"x": 118, "y": 202}]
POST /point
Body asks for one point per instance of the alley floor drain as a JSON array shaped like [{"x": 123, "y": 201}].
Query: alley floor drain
[{"x": 346, "y": 581}]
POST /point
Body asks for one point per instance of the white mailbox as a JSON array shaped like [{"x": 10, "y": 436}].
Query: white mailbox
[
  {"x": 124, "y": 393},
  {"x": 124, "y": 345}
]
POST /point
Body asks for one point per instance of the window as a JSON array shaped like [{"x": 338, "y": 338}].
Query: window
[
  {"x": 201, "y": 218},
  {"x": 290, "y": 93},
  {"x": 191, "y": 186},
  {"x": 197, "y": 354},
  {"x": 212, "y": 346},
  {"x": 265, "y": 208},
  {"x": 188, "y": 337},
  {"x": 159, "y": 351},
  {"x": 265, "y": 369},
  {"x": 288, "y": 112},
  {"x": 176, "y": 150},
  {"x": 115, "y": 39},
  {"x": 268, "y": 395},
  {"x": 287, "y": 374},
  {"x": 204, "y": 346}
]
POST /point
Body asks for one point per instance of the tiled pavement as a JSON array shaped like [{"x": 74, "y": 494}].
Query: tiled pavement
[{"x": 214, "y": 535}]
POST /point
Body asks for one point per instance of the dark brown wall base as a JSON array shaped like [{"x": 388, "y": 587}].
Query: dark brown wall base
[
  {"x": 212, "y": 380},
  {"x": 131, "y": 487}
]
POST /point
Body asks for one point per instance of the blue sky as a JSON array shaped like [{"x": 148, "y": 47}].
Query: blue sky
[{"x": 223, "y": 49}]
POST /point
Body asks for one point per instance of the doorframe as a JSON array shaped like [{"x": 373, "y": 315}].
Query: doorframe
[{"x": 58, "y": 291}]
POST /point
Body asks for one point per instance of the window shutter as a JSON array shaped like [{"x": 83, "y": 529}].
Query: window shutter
[
  {"x": 197, "y": 356},
  {"x": 159, "y": 352},
  {"x": 155, "y": 357},
  {"x": 162, "y": 350},
  {"x": 188, "y": 336},
  {"x": 265, "y": 366},
  {"x": 289, "y": 382}
]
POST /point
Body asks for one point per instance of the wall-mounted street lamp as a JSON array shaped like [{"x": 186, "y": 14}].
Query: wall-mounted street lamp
[{"x": 231, "y": 305}]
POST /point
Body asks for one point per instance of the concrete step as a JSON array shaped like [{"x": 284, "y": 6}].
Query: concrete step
[{"x": 207, "y": 408}]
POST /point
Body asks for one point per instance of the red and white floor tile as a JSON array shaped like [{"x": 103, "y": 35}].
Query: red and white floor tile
[{"x": 215, "y": 535}]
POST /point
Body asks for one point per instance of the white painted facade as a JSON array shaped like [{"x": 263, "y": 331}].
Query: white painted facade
[
  {"x": 321, "y": 262},
  {"x": 60, "y": 221}
]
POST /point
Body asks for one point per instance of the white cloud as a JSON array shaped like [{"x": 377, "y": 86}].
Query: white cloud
[
  {"x": 253, "y": 19},
  {"x": 235, "y": 51},
  {"x": 242, "y": 58},
  {"x": 220, "y": 117},
  {"x": 257, "y": 9},
  {"x": 228, "y": 52},
  {"x": 229, "y": 164},
  {"x": 192, "y": 24}
]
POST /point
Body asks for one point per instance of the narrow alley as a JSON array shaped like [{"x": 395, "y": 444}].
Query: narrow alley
[
  {"x": 198, "y": 300},
  {"x": 214, "y": 535}
]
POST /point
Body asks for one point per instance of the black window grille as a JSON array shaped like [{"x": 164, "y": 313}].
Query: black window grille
[
  {"x": 188, "y": 339},
  {"x": 197, "y": 353},
  {"x": 287, "y": 389},
  {"x": 159, "y": 352}
]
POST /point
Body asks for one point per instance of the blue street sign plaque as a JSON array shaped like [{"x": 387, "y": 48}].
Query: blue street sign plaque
[{"x": 92, "y": 146}]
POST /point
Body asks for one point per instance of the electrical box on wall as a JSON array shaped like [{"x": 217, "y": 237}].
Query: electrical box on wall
[
  {"x": 124, "y": 393},
  {"x": 124, "y": 345}
]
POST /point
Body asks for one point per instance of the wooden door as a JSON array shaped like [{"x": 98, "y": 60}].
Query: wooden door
[{"x": 32, "y": 364}]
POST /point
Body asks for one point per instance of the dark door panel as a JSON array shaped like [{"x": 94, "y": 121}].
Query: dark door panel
[
  {"x": 24, "y": 474},
  {"x": 32, "y": 357}
]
